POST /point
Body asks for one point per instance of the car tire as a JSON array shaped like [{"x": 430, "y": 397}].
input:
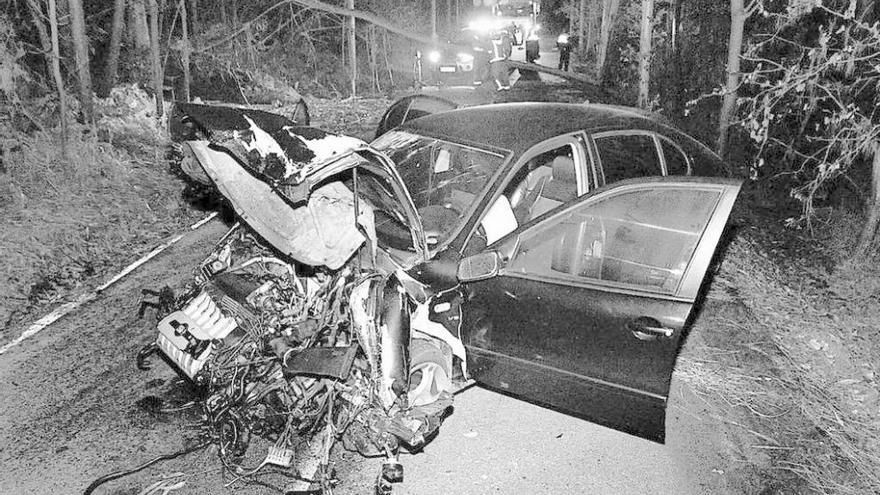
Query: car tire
[{"x": 429, "y": 373}]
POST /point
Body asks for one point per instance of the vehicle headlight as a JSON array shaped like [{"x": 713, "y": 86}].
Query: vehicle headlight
[
  {"x": 465, "y": 58},
  {"x": 433, "y": 56}
]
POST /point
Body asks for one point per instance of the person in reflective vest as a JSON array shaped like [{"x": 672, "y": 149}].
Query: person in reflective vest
[
  {"x": 563, "y": 42},
  {"x": 501, "y": 50}
]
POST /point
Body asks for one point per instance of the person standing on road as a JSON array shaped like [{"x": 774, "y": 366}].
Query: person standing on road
[
  {"x": 563, "y": 43},
  {"x": 501, "y": 50}
]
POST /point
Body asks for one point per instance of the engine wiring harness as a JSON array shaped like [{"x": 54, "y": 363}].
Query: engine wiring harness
[{"x": 275, "y": 355}]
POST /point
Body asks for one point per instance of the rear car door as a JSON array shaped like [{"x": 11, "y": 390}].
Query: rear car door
[{"x": 583, "y": 309}]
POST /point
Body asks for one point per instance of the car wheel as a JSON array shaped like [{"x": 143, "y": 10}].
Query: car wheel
[{"x": 429, "y": 373}]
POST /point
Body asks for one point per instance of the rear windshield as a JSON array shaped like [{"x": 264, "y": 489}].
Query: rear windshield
[{"x": 444, "y": 179}]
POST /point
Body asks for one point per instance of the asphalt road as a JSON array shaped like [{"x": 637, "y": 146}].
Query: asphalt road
[{"x": 496, "y": 444}]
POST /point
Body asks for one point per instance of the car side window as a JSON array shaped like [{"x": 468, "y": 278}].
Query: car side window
[
  {"x": 545, "y": 182},
  {"x": 626, "y": 156},
  {"x": 640, "y": 238},
  {"x": 676, "y": 161}
]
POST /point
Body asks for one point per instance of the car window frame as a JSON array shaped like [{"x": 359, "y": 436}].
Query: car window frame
[
  {"x": 585, "y": 175},
  {"x": 658, "y": 139},
  {"x": 509, "y": 246},
  {"x": 658, "y": 148}
]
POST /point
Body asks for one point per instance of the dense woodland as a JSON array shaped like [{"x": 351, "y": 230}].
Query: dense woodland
[{"x": 786, "y": 89}]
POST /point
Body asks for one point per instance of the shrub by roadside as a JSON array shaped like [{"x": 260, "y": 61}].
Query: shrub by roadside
[
  {"x": 68, "y": 219},
  {"x": 795, "y": 372}
]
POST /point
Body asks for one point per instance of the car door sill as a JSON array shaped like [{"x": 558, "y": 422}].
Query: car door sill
[{"x": 496, "y": 355}]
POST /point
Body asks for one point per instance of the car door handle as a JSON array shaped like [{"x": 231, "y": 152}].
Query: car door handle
[{"x": 646, "y": 328}]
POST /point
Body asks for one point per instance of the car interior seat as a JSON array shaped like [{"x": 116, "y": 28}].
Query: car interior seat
[
  {"x": 526, "y": 192},
  {"x": 561, "y": 188},
  {"x": 579, "y": 251}
]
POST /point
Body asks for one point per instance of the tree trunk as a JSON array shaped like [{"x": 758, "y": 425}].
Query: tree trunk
[
  {"x": 194, "y": 15},
  {"x": 582, "y": 25},
  {"x": 590, "y": 42},
  {"x": 352, "y": 48},
  {"x": 449, "y": 26},
  {"x": 678, "y": 94},
  {"x": 645, "y": 53},
  {"x": 609, "y": 17},
  {"x": 155, "y": 56},
  {"x": 734, "y": 50},
  {"x": 374, "y": 59},
  {"x": 81, "y": 56},
  {"x": 868, "y": 237},
  {"x": 250, "y": 46},
  {"x": 433, "y": 19},
  {"x": 137, "y": 25},
  {"x": 56, "y": 73},
  {"x": 184, "y": 55},
  {"x": 112, "y": 67},
  {"x": 385, "y": 56},
  {"x": 36, "y": 11}
]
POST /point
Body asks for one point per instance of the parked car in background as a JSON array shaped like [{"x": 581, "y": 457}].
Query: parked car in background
[{"x": 461, "y": 59}]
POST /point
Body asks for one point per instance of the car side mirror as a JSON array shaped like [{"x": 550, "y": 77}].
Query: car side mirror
[{"x": 479, "y": 267}]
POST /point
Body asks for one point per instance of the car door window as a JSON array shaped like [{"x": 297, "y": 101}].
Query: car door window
[
  {"x": 548, "y": 176},
  {"x": 676, "y": 161},
  {"x": 642, "y": 237},
  {"x": 546, "y": 181},
  {"x": 626, "y": 156}
]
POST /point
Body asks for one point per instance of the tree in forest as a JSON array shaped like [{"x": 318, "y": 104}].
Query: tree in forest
[
  {"x": 610, "y": 10},
  {"x": 81, "y": 57},
  {"x": 645, "y": 52},
  {"x": 813, "y": 102},
  {"x": 56, "y": 71},
  {"x": 738, "y": 15},
  {"x": 112, "y": 67}
]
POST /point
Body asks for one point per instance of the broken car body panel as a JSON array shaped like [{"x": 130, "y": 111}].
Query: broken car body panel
[
  {"x": 265, "y": 182},
  {"x": 322, "y": 233},
  {"x": 594, "y": 299}
]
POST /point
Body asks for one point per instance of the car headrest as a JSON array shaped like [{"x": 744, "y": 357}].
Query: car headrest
[{"x": 563, "y": 169}]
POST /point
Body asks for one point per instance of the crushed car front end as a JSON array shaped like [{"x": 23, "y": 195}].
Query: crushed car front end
[{"x": 298, "y": 325}]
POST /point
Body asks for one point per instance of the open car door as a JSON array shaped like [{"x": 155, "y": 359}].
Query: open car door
[{"x": 583, "y": 309}]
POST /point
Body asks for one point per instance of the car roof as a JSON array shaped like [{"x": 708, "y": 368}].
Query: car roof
[{"x": 517, "y": 127}]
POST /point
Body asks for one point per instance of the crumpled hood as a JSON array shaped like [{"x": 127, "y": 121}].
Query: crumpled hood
[
  {"x": 286, "y": 153},
  {"x": 281, "y": 184},
  {"x": 320, "y": 232},
  {"x": 248, "y": 165}
]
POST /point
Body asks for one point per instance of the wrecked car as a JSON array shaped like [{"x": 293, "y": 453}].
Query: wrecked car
[{"x": 361, "y": 290}]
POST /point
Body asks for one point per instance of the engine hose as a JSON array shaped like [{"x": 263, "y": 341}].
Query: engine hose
[{"x": 119, "y": 474}]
